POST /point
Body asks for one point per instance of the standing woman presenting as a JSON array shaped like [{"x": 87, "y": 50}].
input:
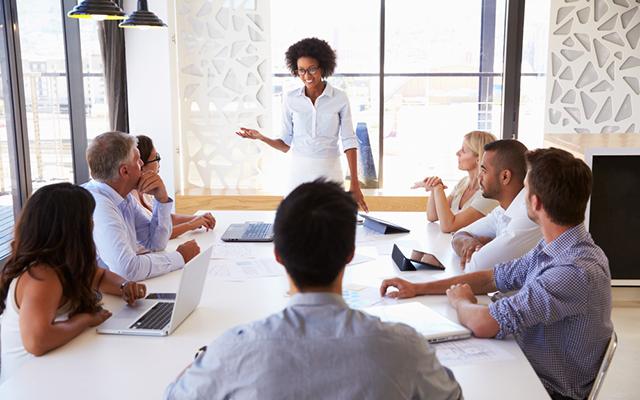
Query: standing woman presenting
[{"x": 314, "y": 117}]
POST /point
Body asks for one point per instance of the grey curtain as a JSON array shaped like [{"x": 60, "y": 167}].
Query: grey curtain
[{"x": 115, "y": 72}]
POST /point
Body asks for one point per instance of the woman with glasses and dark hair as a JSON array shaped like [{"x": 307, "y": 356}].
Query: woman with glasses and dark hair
[
  {"x": 50, "y": 286},
  {"x": 181, "y": 223},
  {"x": 314, "y": 117}
]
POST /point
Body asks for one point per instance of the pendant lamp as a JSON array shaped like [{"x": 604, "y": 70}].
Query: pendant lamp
[
  {"x": 142, "y": 18},
  {"x": 97, "y": 10}
]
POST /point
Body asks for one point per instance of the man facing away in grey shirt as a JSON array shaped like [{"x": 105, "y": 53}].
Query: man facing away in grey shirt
[{"x": 317, "y": 347}]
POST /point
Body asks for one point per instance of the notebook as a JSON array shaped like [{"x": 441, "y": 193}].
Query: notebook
[{"x": 430, "y": 324}]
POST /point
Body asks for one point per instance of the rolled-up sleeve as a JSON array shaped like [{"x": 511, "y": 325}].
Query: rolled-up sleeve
[
  {"x": 154, "y": 233},
  {"x": 511, "y": 275},
  {"x": 286, "y": 134},
  {"x": 559, "y": 293},
  {"x": 348, "y": 137}
]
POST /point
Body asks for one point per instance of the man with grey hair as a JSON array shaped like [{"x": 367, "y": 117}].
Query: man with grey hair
[{"x": 128, "y": 242}]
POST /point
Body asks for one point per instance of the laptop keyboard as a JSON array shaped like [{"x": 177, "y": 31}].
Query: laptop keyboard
[
  {"x": 156, "y": 318},
  {"x": 257, "y": 231}
]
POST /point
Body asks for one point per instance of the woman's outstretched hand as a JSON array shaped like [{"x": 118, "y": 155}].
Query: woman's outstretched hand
[{"x": 249, "y": 133}]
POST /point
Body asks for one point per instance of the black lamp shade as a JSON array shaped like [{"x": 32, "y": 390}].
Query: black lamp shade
[
  {"x": 142, "y": 18},
  {"x": 97, "y": 9}
]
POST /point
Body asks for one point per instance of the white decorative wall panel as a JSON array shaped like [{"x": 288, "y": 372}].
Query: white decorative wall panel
[
  {"x": 224, "y": 83},
  {"x": 594, "y": 67}
]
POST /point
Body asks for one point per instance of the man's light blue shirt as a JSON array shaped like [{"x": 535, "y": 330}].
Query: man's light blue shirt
[
  {"x": 128, "y": 242},
  {"x": 317, "y": 348},
  {"x": 313, "y": 130},
  {"x": 561, "y": 315}
]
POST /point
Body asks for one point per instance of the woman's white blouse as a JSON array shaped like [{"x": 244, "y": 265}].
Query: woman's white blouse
[{"x": 313, "y": 131}]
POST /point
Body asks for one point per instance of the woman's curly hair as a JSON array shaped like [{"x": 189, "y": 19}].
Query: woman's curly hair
[{"x": 314, "y": 48}]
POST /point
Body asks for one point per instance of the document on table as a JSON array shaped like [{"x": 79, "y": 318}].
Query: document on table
[
  {"x": 360, "y": 296},
  {"x": 233, "y": 251},
  {"x": 469, "y": 351},
  {"x": 243, "y": 270},
  {"x": 360, "y": 258}
]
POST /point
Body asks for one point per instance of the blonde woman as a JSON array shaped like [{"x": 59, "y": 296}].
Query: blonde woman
[{"x": 465, "y": 204}]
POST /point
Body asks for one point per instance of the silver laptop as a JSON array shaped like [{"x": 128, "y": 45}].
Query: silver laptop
[
  {"x": 160, "y": 317},
  {"x": 433, "y": 326},
  {"x": 248, "y": 232}
]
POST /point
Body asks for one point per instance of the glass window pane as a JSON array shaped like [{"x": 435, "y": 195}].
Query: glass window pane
[
  {"x": 438, "y": 36},
  {"x": 354, "y": 31},
  {"x": 6, "y": 160},
  {"x": 96, "y": 111},
  {"x": 533, "y": 81},
  {"x": 46, "y": 91},
  {"x": 426, "y": 117},
  {"x": 424, "y": 122}
]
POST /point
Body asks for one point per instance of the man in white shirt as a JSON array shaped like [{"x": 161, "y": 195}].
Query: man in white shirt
[
  {"x": 128, "y": 242},
  {"x": 507, "y": 232}
]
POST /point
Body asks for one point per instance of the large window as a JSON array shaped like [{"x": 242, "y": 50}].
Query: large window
[
  {"x": 43, "y": 130},
  {"x": 439, "y": 76}
]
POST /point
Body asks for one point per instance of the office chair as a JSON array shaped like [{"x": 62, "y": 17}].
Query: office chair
[{"x": 604, "y": 367}]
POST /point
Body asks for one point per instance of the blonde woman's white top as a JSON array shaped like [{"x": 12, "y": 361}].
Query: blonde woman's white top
[
  {"x": 477, "y": 201},
  {"x": 13, "y": 353}
]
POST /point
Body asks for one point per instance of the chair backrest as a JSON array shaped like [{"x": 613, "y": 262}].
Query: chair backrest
[{"x": 604, "y": 367}]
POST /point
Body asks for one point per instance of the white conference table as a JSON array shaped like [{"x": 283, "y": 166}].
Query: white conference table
[{"x": 129, "y": 367}]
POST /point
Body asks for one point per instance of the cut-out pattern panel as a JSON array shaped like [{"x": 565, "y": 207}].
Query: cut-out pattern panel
[
  {"x": 223, "y": 60},
  {"x": 593, "y": 81}
]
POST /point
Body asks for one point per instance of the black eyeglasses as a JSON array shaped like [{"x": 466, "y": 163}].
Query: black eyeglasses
[
  {"x": 154, "y": 160},
  {"x": 310, "y": 70}
]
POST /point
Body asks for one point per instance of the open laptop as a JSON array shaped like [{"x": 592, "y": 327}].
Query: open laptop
[
  {"x": 433, "y": 326},
  {"x": 249, "y": 232},
  {"x": 162, "y": 316}
]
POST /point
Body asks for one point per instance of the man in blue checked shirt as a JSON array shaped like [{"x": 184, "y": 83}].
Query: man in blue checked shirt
[{"x": 561, "y": 314}]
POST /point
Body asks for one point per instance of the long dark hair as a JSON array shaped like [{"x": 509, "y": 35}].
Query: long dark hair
[
  {"x": 145, "y": 145},
  {"x": 55, "y": 229}
]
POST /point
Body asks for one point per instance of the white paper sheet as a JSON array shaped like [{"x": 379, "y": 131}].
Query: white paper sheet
[
  {"x": 360, "y": 296},
  {"x": 244, "y": 270},
  {"x": 233, "y": 251},
  {"x": 468, "y": 351},
  {"x": 359, "y": 258}
]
